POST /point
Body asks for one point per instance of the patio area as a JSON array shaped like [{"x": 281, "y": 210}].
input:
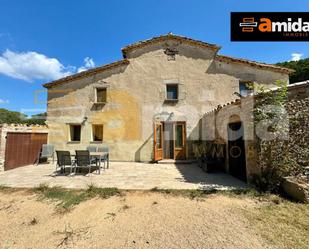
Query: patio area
[{"x": 123, "y": 175}]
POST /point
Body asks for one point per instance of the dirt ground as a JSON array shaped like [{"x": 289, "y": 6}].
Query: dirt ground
[{"x": 135, "y": 220}]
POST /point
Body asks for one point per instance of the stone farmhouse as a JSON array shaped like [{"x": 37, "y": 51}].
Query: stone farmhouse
[{"x": 149, "y": 105}]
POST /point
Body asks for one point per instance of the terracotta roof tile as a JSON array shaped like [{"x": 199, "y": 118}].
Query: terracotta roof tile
[
  {"x": 168, "y": 36},
  {"x": 86, "y": 73},
  {"x": 254, "y": 64},
  {"x": 161, "y": 38}
]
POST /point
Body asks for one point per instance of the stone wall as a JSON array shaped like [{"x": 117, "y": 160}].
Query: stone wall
[
  {"x": 298, "y": 109},
  {"x": 136, "y": 98},
  {"x": 18, "y": 128},
  {"x": 214, "y": 126}
]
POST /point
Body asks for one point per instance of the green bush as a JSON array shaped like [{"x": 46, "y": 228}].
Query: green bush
[{"x": 276, "y": 158}]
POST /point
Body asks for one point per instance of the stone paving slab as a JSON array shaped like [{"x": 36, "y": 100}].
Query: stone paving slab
[{"x": 123, "y": 175}]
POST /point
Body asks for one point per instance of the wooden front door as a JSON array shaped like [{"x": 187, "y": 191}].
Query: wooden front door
[
  {"x": 158, "y": 141},
  {"x": 236, "y": 147},
  {"x": 169, "y": 140},
  {"x": 179, "y": 140}
]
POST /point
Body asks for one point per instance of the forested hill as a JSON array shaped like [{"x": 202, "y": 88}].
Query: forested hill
[
  {"x": 12, "y": 117},
  {"x": 301, "y": 68}
]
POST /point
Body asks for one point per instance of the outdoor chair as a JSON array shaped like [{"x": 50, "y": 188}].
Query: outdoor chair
[
  {"x": 92, "y": 148},
  {"x": 84, "y": 160},
  {"x": 106, "y": 157},
  {"x": 47, "y": 151},
  {"x": 63, "y": 160}
]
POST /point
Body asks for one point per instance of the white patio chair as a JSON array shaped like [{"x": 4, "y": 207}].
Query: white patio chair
[{"x": 47, "y": 151}]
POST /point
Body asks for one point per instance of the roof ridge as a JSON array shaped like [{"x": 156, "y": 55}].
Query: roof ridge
[{"x": 169, "y": 35}]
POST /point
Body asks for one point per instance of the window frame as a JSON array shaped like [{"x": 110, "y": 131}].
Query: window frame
[
  {"x": 96, "y": 95},
  {"x": 70, "y": 133},
  {"x": 182, "y": 135},
  {"x": 92, "y": 133},
  {"x": 247, "y": 91},
  {"x": 166, "y": 91}
]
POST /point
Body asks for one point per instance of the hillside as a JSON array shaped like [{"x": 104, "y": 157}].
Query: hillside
[
  {"x": 301, "y": 68},
  {"x": 12, "y": 117}
]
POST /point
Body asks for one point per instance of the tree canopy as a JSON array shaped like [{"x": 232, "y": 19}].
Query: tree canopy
[
  {"x": 12, "y": 117},
  {"x": 301, "y": 68}
]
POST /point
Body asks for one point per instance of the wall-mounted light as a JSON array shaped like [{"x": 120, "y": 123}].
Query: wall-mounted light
[{"x": 84, "y": 120}]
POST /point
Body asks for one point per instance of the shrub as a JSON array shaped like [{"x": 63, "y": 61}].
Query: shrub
[{"x": 276, "y": 157}]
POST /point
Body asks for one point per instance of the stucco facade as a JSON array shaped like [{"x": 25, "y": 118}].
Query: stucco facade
[{"x": 136, "y": 94}]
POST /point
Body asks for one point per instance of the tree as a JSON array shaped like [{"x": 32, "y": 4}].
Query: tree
[
  {"x": 301, "y": 68},
  {"x": 12, "y": 117},
  {"x": 7, "y": 116},
  {"x": 37, "y": 119}
]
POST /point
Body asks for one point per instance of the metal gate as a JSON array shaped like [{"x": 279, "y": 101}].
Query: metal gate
[{"x": 22, "y": 148}]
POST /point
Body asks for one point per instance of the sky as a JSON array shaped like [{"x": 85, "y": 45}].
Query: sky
[{"x": 43, "y": 40}]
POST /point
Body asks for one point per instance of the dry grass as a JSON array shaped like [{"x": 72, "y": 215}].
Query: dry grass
[
  {"x": 66, "y": 199},
  {"x": 151, "y": 219},
  {"x": 203, "y": 193},
  {"x": 284, "y": 223}
]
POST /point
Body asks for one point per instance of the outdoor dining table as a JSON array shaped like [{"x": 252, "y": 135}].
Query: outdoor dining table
[{"x": 99, "y": 155}]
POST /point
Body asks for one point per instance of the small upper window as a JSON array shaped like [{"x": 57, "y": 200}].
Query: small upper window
[
  {"x": 172, "y": 92},
  {"x": 100, "y": 95},
  {"x": 75, "y": 131},
  {"x": 97, "y": 133},
  {"x": 245, "y": 88}
]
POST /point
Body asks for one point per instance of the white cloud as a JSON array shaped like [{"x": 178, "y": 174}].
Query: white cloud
[
  {"x": 31, "y": 66},
  {"x": 296, "y": 56},
  {"x": 4, "y": 101},
  {"x": 88, "y": 63}
]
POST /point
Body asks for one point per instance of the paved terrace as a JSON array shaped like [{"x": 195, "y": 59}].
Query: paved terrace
[{"x": 123, "y": 175}]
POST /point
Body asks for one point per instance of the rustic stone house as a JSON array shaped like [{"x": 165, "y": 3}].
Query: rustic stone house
[{"x": 148, "y": 106}]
